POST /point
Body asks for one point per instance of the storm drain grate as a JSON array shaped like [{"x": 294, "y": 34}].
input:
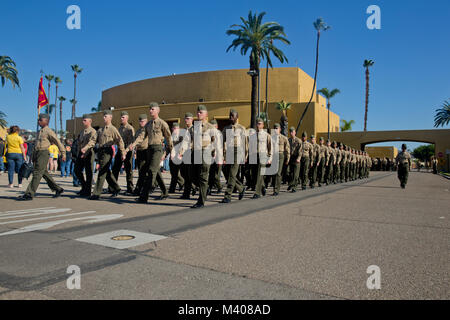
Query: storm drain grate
[{"x": 121, "y": 239}]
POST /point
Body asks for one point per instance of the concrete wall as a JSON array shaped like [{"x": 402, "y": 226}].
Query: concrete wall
[{"x": 382, "y": 152}]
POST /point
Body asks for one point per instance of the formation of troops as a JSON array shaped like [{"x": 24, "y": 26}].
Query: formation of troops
[{"x": 300, "y": 163}]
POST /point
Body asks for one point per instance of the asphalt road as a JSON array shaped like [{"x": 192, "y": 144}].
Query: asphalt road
[{"x": 314, "y": 244}]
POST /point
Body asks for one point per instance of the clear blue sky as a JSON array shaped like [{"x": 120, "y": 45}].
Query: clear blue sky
[{"x": 123, "y": 41}]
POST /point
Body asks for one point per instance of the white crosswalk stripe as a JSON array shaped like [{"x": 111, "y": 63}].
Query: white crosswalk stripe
[{"x": 48, "y": 213}]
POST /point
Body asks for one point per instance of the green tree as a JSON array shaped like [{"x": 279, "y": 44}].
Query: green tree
[
  {"x": 367, "y": 64},
  {"x": 424, "y": 152},
  {"x": 346, "y": 125},
  {"x": 257, "y": 37},
  {"x": 284, "y": 107},
  {"x": 76, "y": 70},
  {"x": 320, "y": 26},
  {"x": 61, "y": 100},
  {"x": 49, "y": 108},
  {"x": 3, "y": 122},
  {"x": 8, "y": 71},
  {"x": 98, "y": 108},
  {"x": 442, "y": 116},
  {"x": 329, "y": 94}
]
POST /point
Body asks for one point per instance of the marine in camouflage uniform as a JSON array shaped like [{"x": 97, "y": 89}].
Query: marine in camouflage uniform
[
  {"x": 314, "y": 162},
  {"x": 294, "y": 160},
  {"x": 85, "y": 157},
  {"x": 175, "y": 168},
  {"x": 403, "y": 161},
  {"x": 215, "y": 170},
  {"x": 186, "y": 153},
  {"x": 336, "y": 167},
  {"x": 238, "y": 145},
  {"x": 331, "y": 161},
  {"x": 306, "y": 151},
  {"x": 141, "y": 155},
  {"x": 264, "y": 150},
  {"x": 157, "y": 131},
  {"x": 284, "y": 154},
  {"x": 106, "y": 138},
  {"x": 323, "y": 154},
  {"x": 45, "y": 138},
  {"x": 342, "y": 163},
  {"x": 126, "y": 131},
  {"x": 201, "y": 170}
]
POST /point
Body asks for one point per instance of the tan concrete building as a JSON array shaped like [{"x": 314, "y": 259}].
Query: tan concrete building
[
  {"x": 219, "y": 91},
  {"x": 382, "y": 152}
]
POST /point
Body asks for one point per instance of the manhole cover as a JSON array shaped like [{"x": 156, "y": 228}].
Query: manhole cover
[{"x": 122, "y": 238}]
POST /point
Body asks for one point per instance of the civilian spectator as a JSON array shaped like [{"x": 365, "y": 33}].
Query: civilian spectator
[{"x": 15, "y": 154}]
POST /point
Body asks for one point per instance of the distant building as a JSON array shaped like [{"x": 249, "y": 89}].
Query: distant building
[
  {"x": 382, "y": 152},
  {"x": 219, "y": 91}
]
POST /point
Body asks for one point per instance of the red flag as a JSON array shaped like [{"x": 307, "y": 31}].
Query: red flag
[{"x": 42, "y": 99}]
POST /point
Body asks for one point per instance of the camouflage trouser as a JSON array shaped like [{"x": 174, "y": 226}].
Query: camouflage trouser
[
  {"x": 313, "y": 173},
  {"x": 294, "y": 171},
  {"x": 402, "y": 173},
  {"x": 128, "y": 166},
  {"x": 336, "y": 173},
  {"x": 175, "y": 176},
  {"x": 329, "y": 173},
  {"x": 85, "y": 163},
  {"x": 231, "y": 172},
  {"x": 304, "y": 168},
  {"x": 40, "y": 161},
  {"x": 321, "y": 171},
  {"x": 347, "y": 171},
  {"x": 104, "y": 161},
  {"x": 342, "y": 172}
]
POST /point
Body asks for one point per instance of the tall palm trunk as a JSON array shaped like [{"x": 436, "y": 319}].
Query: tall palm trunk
[
  {"x": 56, "y": 103},
  {"x": 48, "y": 93},
  {"x": 314, "y": 85},
  {"x": 329, "y": 119},
  {"x": 254, "y": 65},
  {"x": 367, "y": 99},
  {"x": 60, "y": 117},
  {"x": 74, "y": 102},
  {"x": 267, "y": 92}
]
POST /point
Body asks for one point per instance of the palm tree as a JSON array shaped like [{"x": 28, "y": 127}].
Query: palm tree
[
  {"x": 366, "y": 65},
  {"x": 76, "y": 70},
  {"x": 347, "y": 125},
  {"x": 61, "y": 100},
  {"x": 257, "y": 37},
  {"x": 3, "y": 122},
  {"x": 442, "y": 116},
  {"x": 57, "y": 81},
  {"x": 8, "y": 71},
  {"x": 284, "y": 107},
  {"x": 48, "y": 109},
  {"x": 98, "y": 108},
  {"x": 319, "y": 25},
  {"x": 327, "y": 94},
  {"x": 49, "y": 79}
]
